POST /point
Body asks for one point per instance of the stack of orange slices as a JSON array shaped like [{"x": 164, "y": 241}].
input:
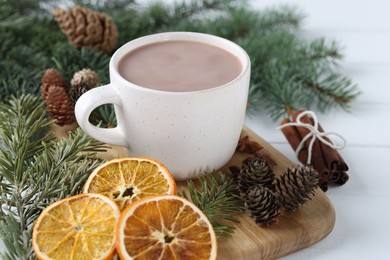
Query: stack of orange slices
[{"x": 154, "y": 223}]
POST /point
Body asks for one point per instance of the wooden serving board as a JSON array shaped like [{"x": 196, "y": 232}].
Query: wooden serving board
[{"x": 294, "y": 231}]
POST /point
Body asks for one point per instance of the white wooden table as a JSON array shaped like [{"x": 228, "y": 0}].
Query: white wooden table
[{"x": 362, "y": 205}]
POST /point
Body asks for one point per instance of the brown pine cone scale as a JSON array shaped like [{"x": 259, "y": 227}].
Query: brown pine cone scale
[
  {"x": 49, "y": 78},
  {"x": 59, "y": 106},
  {"x": 87, "y": 28},
  {"x": 81, "y": 82},
  {"x": 296, "y": 186},
  {"x": 263, "y": 205},
  {"x": 254, "y": 172}
]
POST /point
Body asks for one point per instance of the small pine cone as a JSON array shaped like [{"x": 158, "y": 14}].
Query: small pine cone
[
  {"x": 255, "y": 172},
  {"x": 59, "y": 105},
  {"x": 81, "y": 82},
  {"x": 87, "y": 28},
  {"x": 51, "y": 77},
  {"x": 76, "y": 91},
  {"x": 263, "y": 205},
  {"x": 296, "y": 186},
  {"x": 87, "y": 77}
]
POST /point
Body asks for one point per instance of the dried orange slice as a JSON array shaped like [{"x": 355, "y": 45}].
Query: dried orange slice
[
  {"x": 165, "y": 227},
  {"x": 128, "y": 179},
  {"x": 78, "y": 227}
]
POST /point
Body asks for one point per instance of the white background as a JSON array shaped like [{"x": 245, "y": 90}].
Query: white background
[{"x": 363, "y": 204}]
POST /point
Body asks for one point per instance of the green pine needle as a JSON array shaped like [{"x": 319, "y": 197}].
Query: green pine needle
[
  {"x": 284, "y": 62},
  {"x": 217, "y": 195},
  {"x": 36, "y": 169}
]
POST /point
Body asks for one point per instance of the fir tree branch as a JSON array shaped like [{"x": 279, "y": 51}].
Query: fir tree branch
[
  {"x": 271, "y": 37},
  {"x": 281, "y": 94},
  {"x": 159, "y": 16},
  {"x": 69, "y": 60},
  {"x": 22, "y": 7},
  {"x": 36, "y": 169},
  {"x": 105, "y": 116},
  {"x": 15, "y": 22},
  {"x": 333, "y": 89},
  {"x": 106, "y": 6},
  {"x": 291, "y": 74},
  {"x": 319, "y": 50},
  {"x": 218, "y": 197}
]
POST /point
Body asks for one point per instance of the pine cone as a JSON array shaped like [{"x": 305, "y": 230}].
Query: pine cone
[
  {"x": 59, "y": 105},
  {"x": 263, "y": 205},
  {"x": 255, "y": 172},
  {"x": 81, "y": 82},
  {"x": 87, "y": 28},
  {"x": 296, "y": 186},
  {"x": 51, "y": 77}
]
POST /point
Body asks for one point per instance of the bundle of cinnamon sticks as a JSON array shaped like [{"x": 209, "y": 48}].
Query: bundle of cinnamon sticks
[{"x": 326, "y": 160}]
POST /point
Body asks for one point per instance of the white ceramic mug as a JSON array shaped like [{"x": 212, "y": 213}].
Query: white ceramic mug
[{"x": 189, "y": 132}]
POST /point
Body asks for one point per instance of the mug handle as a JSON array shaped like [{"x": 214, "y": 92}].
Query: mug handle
[{"x": 87, "y": 103}]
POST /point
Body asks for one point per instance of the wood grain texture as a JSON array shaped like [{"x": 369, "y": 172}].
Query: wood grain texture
[{"x": 294, "y": 231}]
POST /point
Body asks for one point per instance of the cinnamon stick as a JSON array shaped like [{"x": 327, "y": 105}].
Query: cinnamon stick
[
  {"x": 330, "y": 156},
  {"x": 294, "y": 136},
  {"x": 336, "y": 176},
  {"x": 343, "y": 178},
  {"x": 326, "y": 160},
  {"x": 343, "y": 165},
  {"x": 333, "y": 158},
  {"x": 335, "y": 162},
  {"x": 317, "y": 156},
  {"x": 294, "y": 139}
]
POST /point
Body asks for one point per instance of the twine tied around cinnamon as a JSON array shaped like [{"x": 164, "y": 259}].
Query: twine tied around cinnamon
[{"x": 314, "y": 134}]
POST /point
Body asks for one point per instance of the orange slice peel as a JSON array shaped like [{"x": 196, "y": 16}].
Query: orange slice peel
[
  {"x": 129, "y": 179},
  {"x": 165, "y": 227},
  {"x": 78, "y": 227}
]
